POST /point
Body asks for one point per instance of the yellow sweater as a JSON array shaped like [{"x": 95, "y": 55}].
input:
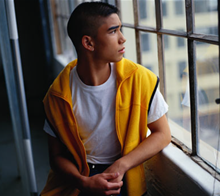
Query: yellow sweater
[{"x": 135, "y": 88}]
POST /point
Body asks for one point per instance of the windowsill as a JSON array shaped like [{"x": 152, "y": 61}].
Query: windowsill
[
  {"x": 207, "y": 152},
  {"x": 177, "y": 174},
  {"x": 191, "y": 169}
]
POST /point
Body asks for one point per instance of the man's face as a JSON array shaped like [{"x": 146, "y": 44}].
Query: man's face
[{"x": 109, "y": 42}]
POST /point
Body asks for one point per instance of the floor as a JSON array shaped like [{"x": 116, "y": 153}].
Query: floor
[{"x": 10, "y": 182}]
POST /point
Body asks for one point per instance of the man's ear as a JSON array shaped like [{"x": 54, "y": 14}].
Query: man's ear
[{"x": 87, "y": 43}]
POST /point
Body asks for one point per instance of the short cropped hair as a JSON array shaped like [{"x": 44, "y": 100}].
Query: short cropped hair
[{"x": 86, "y": 19}]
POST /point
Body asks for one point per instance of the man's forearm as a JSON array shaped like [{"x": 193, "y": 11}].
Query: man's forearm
[
  {"x": 159, "y": 138},
  {"x": 67, "y": 170},
  {"x": 147, "y": 149}
]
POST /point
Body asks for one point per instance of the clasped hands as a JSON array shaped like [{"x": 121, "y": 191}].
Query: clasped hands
[{"x": 107, "y": 183}]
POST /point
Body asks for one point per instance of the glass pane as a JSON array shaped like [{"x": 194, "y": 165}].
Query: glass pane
[
  {"x": 149, "y": 51},
  {"x": 130, "y": 44},
  {"x": 60, "y": 13},
  {"x": 174, "y": 15},
  {"x": 177, "y": 82},
  {"x": 127, "y": 13},
  {"x": 206, "y": 17},
  {"x": 112, "y": 2},
  {"x": 207, "y": 63},
  {"x": 146, "y": 10}
]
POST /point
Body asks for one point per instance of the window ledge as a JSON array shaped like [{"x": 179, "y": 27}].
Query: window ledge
[{"x": 172, "y": 172}]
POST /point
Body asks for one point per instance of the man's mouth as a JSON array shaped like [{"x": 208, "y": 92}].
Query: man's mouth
[{"x": 122, "y": 50}]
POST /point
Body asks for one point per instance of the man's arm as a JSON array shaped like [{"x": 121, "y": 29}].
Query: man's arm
[
  {"x": 61, "y": 163},
  {"x": 160, "y": 137}
]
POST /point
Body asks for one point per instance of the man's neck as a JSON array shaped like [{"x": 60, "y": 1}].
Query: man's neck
[{"x": 93, "y": 73}]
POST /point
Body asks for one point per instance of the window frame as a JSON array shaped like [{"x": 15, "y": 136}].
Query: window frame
[{"x": 191, "y": 37}]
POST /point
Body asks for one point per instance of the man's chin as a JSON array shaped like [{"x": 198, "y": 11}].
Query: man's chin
[{"x": 117, "y": 60}]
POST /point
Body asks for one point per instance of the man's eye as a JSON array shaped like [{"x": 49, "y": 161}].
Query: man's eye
[
  {"x": 113, "y": 31},
  {"x": 121, "y": 28}
]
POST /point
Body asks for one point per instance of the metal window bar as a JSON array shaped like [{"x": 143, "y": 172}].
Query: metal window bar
[
  {"x": 118, "y": 5},
  {"x": 60, "y": 24},
  {"x": 192, "y": 75},
  {"x": 210, "y": 39},
  {"x": 55, "y": 26},
  {"x": 137, "y": 32},
  {"x": 160, "y": 46},
  {"x": 158, "y": 31}
]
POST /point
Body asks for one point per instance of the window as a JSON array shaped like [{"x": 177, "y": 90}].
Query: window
[
  {"x": 166, "y": 41},
  {"x": 164, "y": 8},
  {"x": 182, "y": 69},
  {"x": 143, "y": 9},
  {"x": 181, "y": 46},
  {"x": 180, "y": 42},
  {"x": 145, "y": 42},
  {"x": 175, "y": 15},
  {"x": 179, "y": 7},
  {"x": 206, "y": 16},
  {"x": 201, "y": 6},
  {"x": 60, "y": 12},
  {"x": 187, "y": 57}
]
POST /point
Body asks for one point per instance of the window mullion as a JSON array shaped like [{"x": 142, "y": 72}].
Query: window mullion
[
  {"x": 137, "y": 32},
  {"x": 192, "y": 75},
  {"x": 118, "y": 5},
  {"x": 160, "y": 47},
  {"x": 193, "y": 95}
]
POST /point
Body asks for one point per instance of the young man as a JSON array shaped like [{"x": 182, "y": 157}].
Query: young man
[{"x": 98, "y": 112}]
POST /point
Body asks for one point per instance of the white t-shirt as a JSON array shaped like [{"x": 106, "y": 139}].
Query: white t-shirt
[{"x": 94, "y": 109}]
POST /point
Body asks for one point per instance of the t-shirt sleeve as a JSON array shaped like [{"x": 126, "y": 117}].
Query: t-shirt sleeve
[
  {"x": 48, "y": 129},
  {"x": 158, "y": 108}
]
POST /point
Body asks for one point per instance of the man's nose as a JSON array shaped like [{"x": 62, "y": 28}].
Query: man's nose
[{"x": 122, "y": 38}]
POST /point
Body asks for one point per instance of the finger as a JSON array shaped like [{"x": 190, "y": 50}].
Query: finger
[
  {"x": 110, "y": 176},
  {"x": 114, "y": 186},
  {"x": 113, "y": 192}
]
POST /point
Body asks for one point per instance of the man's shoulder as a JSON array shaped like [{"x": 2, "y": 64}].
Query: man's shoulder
[
  {"x": 141, "y": 70},
  {"x": 60, "y": 85},
  {"x": 136, "y": 73}
]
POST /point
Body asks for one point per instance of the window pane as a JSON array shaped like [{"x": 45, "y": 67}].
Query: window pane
[
  {"x": 112, "y": 2},
  {"x": 149, "y": 51},
  {"x": 207, "y": 63},
  {"x": 145, "y": 42},
  {"x": 166, "y": 41},
  {"x": 206, "y": 17},
  {"x": 177, "y": 89},
  {"x": 164, "y": 7},
  {"x": 60, "y": 14},
  {"x": 180, "y": 42},
  {"x": 130, "y": 44},
  {"x": 174, "y": 15},
  {"x": 127, "y": 13},
  {"x": 147, "y": 13},
  {"x": 142, "y": 9}
]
